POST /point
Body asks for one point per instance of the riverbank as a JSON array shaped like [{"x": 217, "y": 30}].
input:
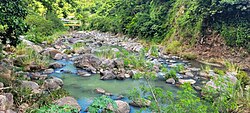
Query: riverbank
[{"x": 87, "y": 63}]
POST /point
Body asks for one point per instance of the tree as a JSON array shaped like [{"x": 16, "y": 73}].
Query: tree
[{"x": 12, "y": 14}]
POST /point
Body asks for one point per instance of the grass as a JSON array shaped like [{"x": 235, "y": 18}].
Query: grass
[
  {"x": 78, "y": 46},
  {"x": 31, "y": 56},
  {"x": 189, "y": 56},
  {"x": 174, "y": 47},
  {"x": 231, "y": 67}
]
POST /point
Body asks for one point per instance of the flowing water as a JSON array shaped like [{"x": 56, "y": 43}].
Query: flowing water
[{"x": 82, "y": 88}]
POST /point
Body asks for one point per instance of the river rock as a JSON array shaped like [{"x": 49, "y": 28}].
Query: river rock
[
  {"x": 88, "y": 62},
  {"x": 55, "y": 65},
  {"x": 58, "y": 56},
  {"x": 48, "y": 71},
  {"x": 1, "y": 85},
  {"x": 70, "y": 101},
  {"x": 100, "y": 91},
  {"x": 6, "y": 101},
  {"x": 4, "y": 72},
  {"x": 118, "y": 63},
  {"x": 23, "y": 107},
  {"x": 30, "y": 84},
  {"x": 170, "y": 81},
  {"x": 83, "y": 73},
  {"x": 123, "y": 107},
  {"x": 188, "y": 74},
  {"x": 107, "y": 75},
  {"x": 195, "y": 69},
  {"x": 38, "y": 76},
  {"x": 140, "y": 103},
  {"x": 53, "y": 84},
  {"x": 51, "y": 52},
  {"x": 191, "y": 81}
]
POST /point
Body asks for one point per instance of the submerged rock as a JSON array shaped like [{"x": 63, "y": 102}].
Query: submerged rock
[{"x": 100, "y": 91}]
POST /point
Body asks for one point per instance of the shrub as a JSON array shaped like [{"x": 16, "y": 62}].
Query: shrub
[
  {"x": 173, "y": 47},
  {"x": 171, "y": 74},
  {"x": 244, "y": 78},
  {"x": 55, "y": 109},
  {"x": 101, "y": 104}
]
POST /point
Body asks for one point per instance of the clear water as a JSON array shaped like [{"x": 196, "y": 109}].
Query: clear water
[{"x": 82, "y": 88}]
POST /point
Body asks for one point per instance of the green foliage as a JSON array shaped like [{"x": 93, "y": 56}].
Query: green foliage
[
  {"x": 78, "y": 46},
  {"x": 172, "y": 20},
  {"x": 41, "y": 29},
  {"x": 231, "y": 67},
  {"x": 12, "y": 14},
  {"x": 25, "y": 95},
  {"x": 1, "y": 50},
  {"x": 223, "y": 95},
  {"x": 171, "y": 74},
  {"x": 244, "y": 78},
  {"x": 218, "y": 71},
  {"x": 101, "y": 104},
  {"x": 55, "y": 109},
  {"x": 187, "y": 101},
  {"x": 31, "y": 56},
  {"x": 173, "y": 47}
]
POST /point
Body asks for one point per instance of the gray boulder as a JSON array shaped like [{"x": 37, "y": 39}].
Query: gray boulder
[
  {"x": 88, "y": 62},
  {"x": 53, "y": 84},
  {"x": 123, "y": 107},
  {"x": 70, "y": 101},
  {"x": 107, "y": 75}
]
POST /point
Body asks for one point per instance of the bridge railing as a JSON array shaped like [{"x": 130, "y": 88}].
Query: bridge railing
[{"x": 71, "y": 23}]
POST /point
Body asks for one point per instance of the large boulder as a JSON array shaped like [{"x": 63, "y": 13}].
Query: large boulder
[
  {"x": 53, "y": 53},
  {"x": 55, "y": 65},
  {"x": 140, "y": 102},
  {"x": 118, "y": 63},
  {"x": 107, "y": 75},
  {"x": 31, "y": 85},
  {"x": 70, "y": 101},
  {"x": 6, "y": 101},
  {"x": 53, "y": 83},
  {"x": 4, "y": 72},
  {"x": 123, "y": 107},
  {"x": 88, "y": 62}
]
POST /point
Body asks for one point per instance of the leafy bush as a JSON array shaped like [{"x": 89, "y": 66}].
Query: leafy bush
[
  {"x": 244, "y": 78},
  {"x": 55, "y": 109},
  {"x": 43, "y": 29},
  {"x": 101, "y": 104},
  {"x": 171, "y": 74},
  {"x": 12, "y": 14},
  {"x": 173, "y": 47}
]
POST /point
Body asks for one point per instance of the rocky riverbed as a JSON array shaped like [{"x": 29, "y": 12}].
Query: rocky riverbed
[{"x": 87, "y": 64}]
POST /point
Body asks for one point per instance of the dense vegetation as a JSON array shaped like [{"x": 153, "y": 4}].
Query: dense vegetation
[
  {"x": 172, "y": 23},
  {"x": 169, "y": 20}
]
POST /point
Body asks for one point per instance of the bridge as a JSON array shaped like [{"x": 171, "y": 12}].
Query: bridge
[{"x": 71, "y": 23}]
